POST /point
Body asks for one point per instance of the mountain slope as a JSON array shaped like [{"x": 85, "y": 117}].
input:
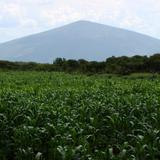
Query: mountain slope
[{"x": 82, "y": 39}]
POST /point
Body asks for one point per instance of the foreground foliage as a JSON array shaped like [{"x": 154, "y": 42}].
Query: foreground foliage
[{"x": 54, "y": 116}]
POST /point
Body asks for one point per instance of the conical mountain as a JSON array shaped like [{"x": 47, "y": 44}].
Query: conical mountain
[{"x": 79, "y": 40}]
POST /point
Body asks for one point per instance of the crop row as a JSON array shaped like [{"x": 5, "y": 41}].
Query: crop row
[{"x": 54, "y": 116}]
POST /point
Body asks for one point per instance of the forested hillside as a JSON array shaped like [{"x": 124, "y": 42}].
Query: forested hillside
[{"x": 113, "y": 65}]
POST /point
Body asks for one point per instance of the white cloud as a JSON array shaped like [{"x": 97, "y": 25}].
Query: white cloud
[{"x": 30, "y": 16}]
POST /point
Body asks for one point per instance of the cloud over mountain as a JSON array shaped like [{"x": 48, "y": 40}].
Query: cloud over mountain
[{"x": 19, "y": 18}]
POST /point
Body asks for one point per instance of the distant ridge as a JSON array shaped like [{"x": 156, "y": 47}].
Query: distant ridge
[{"x": 79, "y": 40}]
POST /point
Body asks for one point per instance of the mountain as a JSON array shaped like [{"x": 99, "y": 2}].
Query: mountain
[{"x": 79, "y": 40}]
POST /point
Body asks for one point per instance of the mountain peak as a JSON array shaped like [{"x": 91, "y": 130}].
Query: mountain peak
[
  {"x": 79, "y": 40},
  {"x": 84, "y": 22}
]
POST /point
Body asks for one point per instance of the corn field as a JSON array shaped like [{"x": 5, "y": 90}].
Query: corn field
[{"x": 57, "y": 116}]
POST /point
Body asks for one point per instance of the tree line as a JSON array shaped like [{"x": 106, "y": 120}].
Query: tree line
[{"x": 114, "y": 65}]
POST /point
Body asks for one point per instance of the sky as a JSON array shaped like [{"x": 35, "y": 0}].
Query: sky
[{"x": 19, "y": 18}]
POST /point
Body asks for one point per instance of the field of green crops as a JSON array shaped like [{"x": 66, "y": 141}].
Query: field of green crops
[{"x": 56, "y": 116}]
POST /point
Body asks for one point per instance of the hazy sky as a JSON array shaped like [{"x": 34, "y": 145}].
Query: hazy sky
[{"x": 23, "y": 17}]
